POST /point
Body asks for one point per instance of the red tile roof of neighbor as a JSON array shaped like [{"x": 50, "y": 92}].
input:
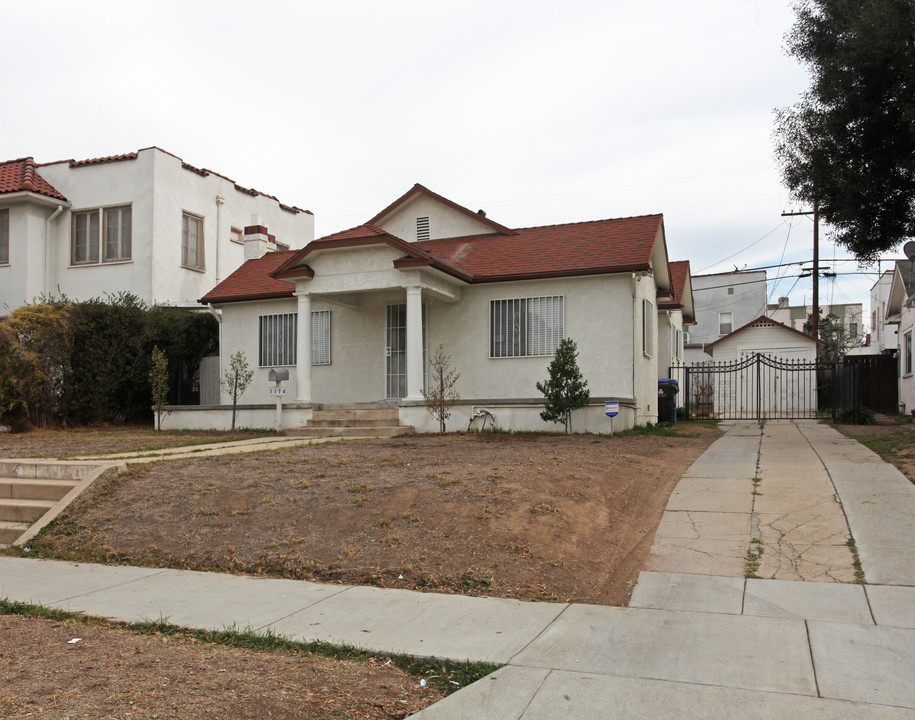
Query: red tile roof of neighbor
[
  {"x": 203, "y": 172},
  {"x": 22, "y": 176},
  {"x": 679, "y": 271},
  {"x": 583, "y": 248},
  {"x": 254, "y": 281}
]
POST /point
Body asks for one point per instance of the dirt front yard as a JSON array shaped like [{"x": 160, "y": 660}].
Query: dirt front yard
[
  {"x": 537, "y": 517},
  {"x": 59, "y": 669},
  {"x": 102, "y": 440}
]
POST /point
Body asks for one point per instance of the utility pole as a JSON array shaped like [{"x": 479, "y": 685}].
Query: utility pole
[{"x": 815, "y": 320}]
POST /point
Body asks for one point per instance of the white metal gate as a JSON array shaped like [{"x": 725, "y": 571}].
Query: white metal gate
[{"x": 396, "y": 350}]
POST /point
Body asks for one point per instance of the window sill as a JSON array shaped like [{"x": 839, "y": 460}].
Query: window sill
[
  {"x": 195, "y": 269},
  {"x": 99, "y": 264}
]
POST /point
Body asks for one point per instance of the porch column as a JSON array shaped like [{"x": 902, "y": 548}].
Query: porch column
[
  {"x": 414, "y": 343},
  {"x": 303, "y": 348}
]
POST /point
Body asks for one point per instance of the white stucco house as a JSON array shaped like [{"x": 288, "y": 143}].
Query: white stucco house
[
  {"x": 675, "y": 316},
  {"x": 145, "y": 222},
  {"x": 900, "y": 312},
  {"x": 773, "y": 388},
  {"x": 354, "y": 316}
]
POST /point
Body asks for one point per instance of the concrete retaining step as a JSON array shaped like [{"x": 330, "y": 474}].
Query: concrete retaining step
[
  {"x": 10, "y": 531},
  {"x": 23, "y": 510},
  {"x": 355, "y": 415},
  {"x": 354, "y": 422},
  {"x": 34, "y": 489},
  {"x": 370, "y": 431}
]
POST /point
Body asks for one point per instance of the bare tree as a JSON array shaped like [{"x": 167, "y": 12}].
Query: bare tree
[
  {"x": 441, "y": 395},
  {"x": 236, "y": 380}
]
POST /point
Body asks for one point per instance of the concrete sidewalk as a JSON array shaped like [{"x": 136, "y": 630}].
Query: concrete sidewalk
[{"x": 706, "y": 643}]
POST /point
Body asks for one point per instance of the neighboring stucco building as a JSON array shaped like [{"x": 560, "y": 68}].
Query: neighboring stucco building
[
  {"x": 353, "y": 316},
  {"x": 900, "y": 312},
  {"x": 901, "y": 279},
  {"x": 723, "y": 303},
  {"x": 144, "y": 222},
  {"x": 674, "y": 317},
  {"x": 795, "y": 316}
]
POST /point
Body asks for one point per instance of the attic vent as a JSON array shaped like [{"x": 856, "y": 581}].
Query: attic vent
[{"x": 422, "y": 228}]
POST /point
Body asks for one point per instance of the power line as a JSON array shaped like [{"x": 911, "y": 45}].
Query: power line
[{"x": 755, "y": 242}]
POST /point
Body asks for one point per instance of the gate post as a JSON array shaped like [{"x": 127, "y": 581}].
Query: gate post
[{"x": 758, "y": 384}]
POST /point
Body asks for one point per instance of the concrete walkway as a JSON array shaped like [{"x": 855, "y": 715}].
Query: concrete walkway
[{"x": 699, "y": 640}]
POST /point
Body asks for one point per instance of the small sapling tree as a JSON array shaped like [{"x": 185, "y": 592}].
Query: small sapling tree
[
  {"x": 565, "y": 390},
  {"x": 441, "y": 395},
  {"x": 158, "y": 382},
  {"x": 236, "y": 380}
]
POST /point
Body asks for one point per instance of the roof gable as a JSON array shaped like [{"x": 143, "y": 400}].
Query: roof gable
[
  {"x": 388, "y": 218},
  {"x": 763, "y": 321},
  {"x": 682, "y": 290},
  {"x": 22, "y": 176}
]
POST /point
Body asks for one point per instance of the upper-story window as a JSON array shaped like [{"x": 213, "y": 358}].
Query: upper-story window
[
  {"x": 4, "y": 237},
  {"x": 101, "y": 234},
  {"x": 725, "y": 323},
  {"x": 237, "y": 236},
  {"x": 192, "y": 241}
]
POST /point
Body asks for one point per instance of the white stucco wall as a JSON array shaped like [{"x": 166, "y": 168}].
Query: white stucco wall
[
  {"x": 883, "y": 336},
  {"x": 774, "y": 341},
  {"x": 906, "y": 380},
  {"x": 22, "y": 280},
  {"x": 599, "y": 314},
  {"x": 159, "y": 190},
  {"x": 444, "y": 222},
  {"x": 741, "y": 293},
  {"x": 669, "y": 352}
]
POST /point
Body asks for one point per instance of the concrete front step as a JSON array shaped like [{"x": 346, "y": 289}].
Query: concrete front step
[
  {"x": 34, "y": 489},
  {"x": 354, "y": 422},
  {"x": 388, "y": 414},
  {"x": 23, "y": 510},
  {"x": 370, "y": 431},
  {"x": 10, "y": 531}
]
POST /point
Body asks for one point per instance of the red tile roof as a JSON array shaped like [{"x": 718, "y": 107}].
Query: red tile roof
[
  {"x": 100, "y": 160},
  {"x": 582, "y": 248},
  {"x": 253, "y": 281},
  {"x": 203, "y": 172},
  {"x": 679, "y": 271},
  {"x": 22, "y": 176}
]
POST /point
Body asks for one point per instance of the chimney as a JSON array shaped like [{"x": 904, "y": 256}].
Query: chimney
[
  {"x": 783, "y": 302},
  {"x": 258, "y": 242}
]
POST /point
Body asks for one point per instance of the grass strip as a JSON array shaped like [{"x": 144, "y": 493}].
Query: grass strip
[{"x": 446, "y": 675}]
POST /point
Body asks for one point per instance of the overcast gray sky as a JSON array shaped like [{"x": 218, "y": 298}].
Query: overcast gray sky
[{"x": 537, "y": 112}]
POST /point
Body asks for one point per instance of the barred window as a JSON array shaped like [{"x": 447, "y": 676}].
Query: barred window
[
  {"x": 278, "y": 334},
  {"x": 320, "y": 337},
  {"x": 277, "y": 340},
  {"x": 525, "y": 326}
]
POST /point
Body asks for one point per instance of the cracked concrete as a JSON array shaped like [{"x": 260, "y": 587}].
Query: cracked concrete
[{"x": 770, "y": 493}]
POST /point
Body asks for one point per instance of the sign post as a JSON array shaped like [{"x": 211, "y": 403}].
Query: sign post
[
  {"x": 611, "y": 410},
  {"x": 279, "y": 392}
]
